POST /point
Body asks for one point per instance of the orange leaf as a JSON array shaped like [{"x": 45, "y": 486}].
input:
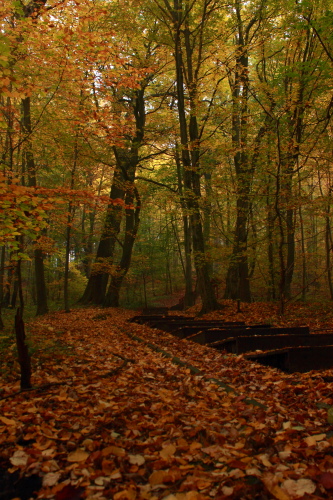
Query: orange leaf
[
  {"x": 7, "y": 421},
  {"x": 113, "y": 450},
  {"x": 168, "y": 451},
  {"x": 158, "y": 477},
  {"x": 125, "y": 495},
  {"x": 77, "y": 456}
]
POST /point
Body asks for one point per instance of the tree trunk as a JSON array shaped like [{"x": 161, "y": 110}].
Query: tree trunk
[
  {"x": 2, "y": 272},
  {"x": 22, "y": 351},
  {"x": 189, "y": 298},
  {"x": 29, "y": 161},
  {"x": 41, "y": 290},
  {"x": 190, "y": 142},
  {"x": 131, "y": 229},
  {"x": 98, "y": 280},
  {"x": 237, "y": 281}
]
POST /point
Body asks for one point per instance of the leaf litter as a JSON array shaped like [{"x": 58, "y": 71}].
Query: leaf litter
[{"x": 114, "y": 417}]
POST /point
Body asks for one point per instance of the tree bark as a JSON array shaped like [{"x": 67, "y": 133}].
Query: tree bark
[
  {"x": 131, "y": 228},
  {"x": 98, "y": 280},
  {"x": 41, "y": 290},
  {"x": 22, "y": 350},
  {"x": 190, "y": 153}
]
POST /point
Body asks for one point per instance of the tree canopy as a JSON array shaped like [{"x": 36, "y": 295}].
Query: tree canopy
[{"x": 160, "y": 150}]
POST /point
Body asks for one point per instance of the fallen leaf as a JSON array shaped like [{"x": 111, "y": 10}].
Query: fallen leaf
[
  {"x": 19, "y": 458},
  {"x": 51, "y": 478},
  {"x": 158, "y": 477},
  {"x": 136, "y": 459},
  {"x": 77, "y": 456},
  {"x": 114, "y": 450},
  {"x": 227, "y": 490},
  {"x": 299, "y": 487},
  {"x": 168, "y": 451},
  {"x": 326, "y": 479},
  {"x": 70, "y": 492},
  {"x": 7, "y": 421},
  {"x": 125, "y": 495}
]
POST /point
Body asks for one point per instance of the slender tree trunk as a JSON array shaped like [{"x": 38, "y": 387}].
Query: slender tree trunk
[
  {"x": 2, "y": 272},
  {"x": 270, "y": 249},
  {"x": 189, "y": 138},
  {"x": 189, "y": 298},
  {"x": 328, "y": 248},
  {"x": 237, "y": 281},
  {"x": 131, "y": 229},
  {"x": 22, "y": 350},
  {"x": 41, "y": 291},
  {"x": 70, "y": 216}
]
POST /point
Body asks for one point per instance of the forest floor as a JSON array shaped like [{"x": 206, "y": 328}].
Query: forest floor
[{"x": 122, "y": 411}]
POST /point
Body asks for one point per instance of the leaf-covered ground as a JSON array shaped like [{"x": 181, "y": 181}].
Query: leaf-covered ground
[{"x": 122, "y": 411}]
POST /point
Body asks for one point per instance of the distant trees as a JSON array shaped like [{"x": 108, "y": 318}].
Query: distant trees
[{"x": 206, "y": 124}]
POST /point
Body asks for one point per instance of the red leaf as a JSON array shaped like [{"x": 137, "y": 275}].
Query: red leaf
[
  {"x": 326, "y": 480},
  {"x": 70, "y": 492}
]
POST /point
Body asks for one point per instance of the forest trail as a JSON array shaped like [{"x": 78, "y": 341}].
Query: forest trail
[{"x": 111, "y": 416}]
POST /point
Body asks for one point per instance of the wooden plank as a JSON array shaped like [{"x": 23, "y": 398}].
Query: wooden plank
[
  {"x": 193, "y": 328},
  {"x": 149, "y": 318},
  {"x": 297, "y": 359},
  {"x": 240, "y": 345},
  {"x": 176, "y": 325},
  {"x": 217, "y": 334},
  {"x": 275, "y": 359}
]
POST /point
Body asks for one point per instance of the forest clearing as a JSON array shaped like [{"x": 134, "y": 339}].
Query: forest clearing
[{"x": 121, "y": 411}]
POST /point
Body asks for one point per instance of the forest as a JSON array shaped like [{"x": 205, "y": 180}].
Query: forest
[
  {"x": 173, "y": 154},
  {"x": 158, "y": 151}
]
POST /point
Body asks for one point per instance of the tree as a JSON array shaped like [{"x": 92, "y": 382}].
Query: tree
[{"x": 188, "y": 25}]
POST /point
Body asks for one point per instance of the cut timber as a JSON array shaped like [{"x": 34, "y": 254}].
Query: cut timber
[
  {"x": 195, "y": 327},
  {"x": 296, "y": 359},
  {"x": 217, "y": 334},
  {"x": 173, "y": 325},
  {"x": 149, "y": 318},
  {"x": 268, "y": 342}
]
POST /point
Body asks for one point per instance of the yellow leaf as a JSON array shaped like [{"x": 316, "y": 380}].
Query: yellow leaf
[
  {"x": 270, "y": 481},
  {"x": 77, "y": 456},
  {"x": 278, "y": 493},
  {"x": 264, "y": 459},
  {"x": 319, "y": 437},
  {"x": 310, "y": 441},
  {"x": 125, "y": 495}
]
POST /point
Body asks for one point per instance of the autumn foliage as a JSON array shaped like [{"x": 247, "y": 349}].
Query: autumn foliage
[{"x": 119, "y": 410}]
